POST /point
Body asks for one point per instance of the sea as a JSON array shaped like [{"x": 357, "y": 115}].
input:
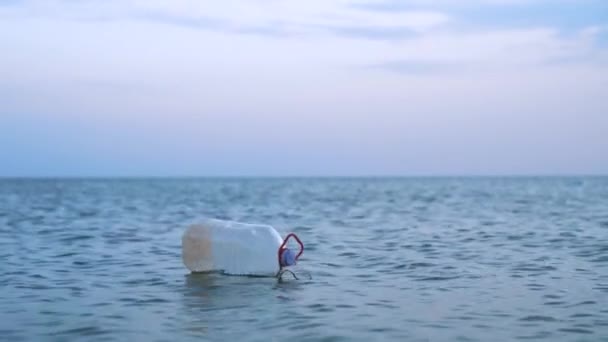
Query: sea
[{"x": 387, "y": 259}]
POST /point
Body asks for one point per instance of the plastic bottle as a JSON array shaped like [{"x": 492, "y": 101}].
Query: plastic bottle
[{"x": 236, "y": 248}]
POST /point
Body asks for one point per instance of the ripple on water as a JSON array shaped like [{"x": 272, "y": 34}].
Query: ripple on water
[
  {"x": 84, "y": 331},
  {"x": 576, "y": 330},
  {"x": 528, "y": 267},
  {"x": 538, "y": 318}
]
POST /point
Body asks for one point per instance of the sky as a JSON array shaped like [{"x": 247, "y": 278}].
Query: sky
[{"x": 303, "y": 88}]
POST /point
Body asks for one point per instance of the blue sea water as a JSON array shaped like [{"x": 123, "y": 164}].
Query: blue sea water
[{"x": 391, "y": 259}]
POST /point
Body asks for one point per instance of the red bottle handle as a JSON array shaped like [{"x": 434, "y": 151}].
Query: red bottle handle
[{"x": 281, "y": 249}]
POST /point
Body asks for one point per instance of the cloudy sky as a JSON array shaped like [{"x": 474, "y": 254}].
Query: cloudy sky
[{"x": 316, "y": 87}]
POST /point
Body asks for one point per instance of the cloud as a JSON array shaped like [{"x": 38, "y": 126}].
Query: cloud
[
  {"x": 516, "y": 50},
  {"x": 319, "y": 34},
  {"x": 567, "y": 15},
  {"x": 297, "y": 15},
  {"x": 263, "y": 17},
  {"x": 169, "y": 52},
  {"x": 396, "y": 5}
]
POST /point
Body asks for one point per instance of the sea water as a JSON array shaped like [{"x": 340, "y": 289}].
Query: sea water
[{"x": 408, "y": 259}]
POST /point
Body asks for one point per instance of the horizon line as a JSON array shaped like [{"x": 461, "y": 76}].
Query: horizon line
[{"x": 386, "y": 176}]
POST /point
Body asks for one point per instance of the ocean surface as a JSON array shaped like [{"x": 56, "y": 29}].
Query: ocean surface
[{"x": 391, "y": 259}]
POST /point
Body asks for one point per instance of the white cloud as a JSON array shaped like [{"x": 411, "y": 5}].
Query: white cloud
[
  {"x": 237, "y": 15},
  {"x": 303, "y": 15},
  {"x": 453, "y": 3},
  {"x": 498, "y": 48},
  {"x": 151, "y": 67}
]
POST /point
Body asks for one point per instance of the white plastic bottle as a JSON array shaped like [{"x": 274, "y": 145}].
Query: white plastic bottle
[{"x": 236, "y": 248}]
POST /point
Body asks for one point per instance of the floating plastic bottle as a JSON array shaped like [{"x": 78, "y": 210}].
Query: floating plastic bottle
[{"x": 237, "y": 248}]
